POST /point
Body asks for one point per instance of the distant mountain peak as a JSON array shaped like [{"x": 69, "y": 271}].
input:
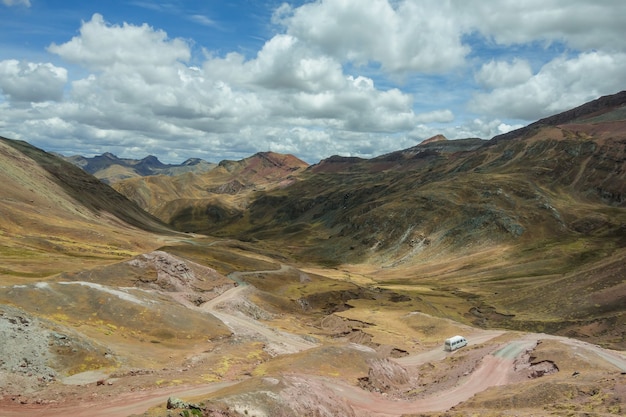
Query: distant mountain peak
[
  {"x": 151, "y": 158},
  {"x": 436, "y": 138},
  {"x": 192, "y": 161},
  {"x": 110, "y": 169},
  {"x": 281, "y": 160},
  {"x": 109, "y": 155}
]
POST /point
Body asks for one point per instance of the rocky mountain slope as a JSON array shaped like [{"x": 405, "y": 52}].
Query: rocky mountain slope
[
  {"x": 538, "y": 214},
  {"x": 220, "y": 193},
  {"x": 324, "y": 290},
  {"x": 110, "y": 169}
]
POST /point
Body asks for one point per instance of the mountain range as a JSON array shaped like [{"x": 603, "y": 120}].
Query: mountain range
[
  {"x": 269, "y": 286},
  {"x": 109, "y": 168}
]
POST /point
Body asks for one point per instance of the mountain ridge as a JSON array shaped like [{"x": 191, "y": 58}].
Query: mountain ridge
[
  {"x": 110, "y": 168},
  {"x": 593, "y": 108},
  {"x": 284, "y": 281},
  {"x": 52, "y": 208}
]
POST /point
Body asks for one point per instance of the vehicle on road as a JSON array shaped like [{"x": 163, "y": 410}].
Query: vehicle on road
[{"x": 454, "y": 343}]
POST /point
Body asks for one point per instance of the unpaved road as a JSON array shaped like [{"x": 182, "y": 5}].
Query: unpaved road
[
  {"x": 280, "y": 342},
  {"x": 438, "y": 354},
  {"x": 121, "y": 406},
  {"x": 494, "y": 369}
]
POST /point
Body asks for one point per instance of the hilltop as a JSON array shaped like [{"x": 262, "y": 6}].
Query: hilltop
[{"x": 217, "y": 194}]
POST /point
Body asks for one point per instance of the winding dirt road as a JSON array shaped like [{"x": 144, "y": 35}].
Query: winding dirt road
[
  {"x": 496, "y": 368},
  {"x": 120, "y": 406},
  {"x": 240, "y": 324}
]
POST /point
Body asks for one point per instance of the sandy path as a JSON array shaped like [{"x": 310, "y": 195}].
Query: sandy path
[
  {"x": 438, "y": 354},
  {"x": 241, "y": 324},
  {"x": 494, "y": 370},
  {"x": 120, "y": 406}
]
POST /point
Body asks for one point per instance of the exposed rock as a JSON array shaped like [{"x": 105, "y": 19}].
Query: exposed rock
[
  {"x": 175, "y": 274},
  {"x": 385, "y": 375},
  {"x": 174, "y": 403}
]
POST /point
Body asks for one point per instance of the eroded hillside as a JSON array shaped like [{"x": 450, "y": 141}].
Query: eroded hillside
[
  {"x": 324, "y": 291},
  {"x": 539, "y": 213},
  {"x": 190, "y": 201}
]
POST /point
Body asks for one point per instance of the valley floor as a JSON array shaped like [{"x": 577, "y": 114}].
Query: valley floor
[{"x": 425, "y": 381}]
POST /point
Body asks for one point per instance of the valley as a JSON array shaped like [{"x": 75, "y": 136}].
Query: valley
[{"x": 270, "y": 287}]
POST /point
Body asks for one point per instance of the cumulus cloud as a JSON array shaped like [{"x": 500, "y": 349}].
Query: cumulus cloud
[
  {"x": 580, "y": 24},
  {"x": 283, "y": 63},
  {"x": 31, "y": 82},
  {"x": 400, "y": 36},
  {"x": 337, "y": 77},
  {"x": 504, "y": 74},
  {"x": 142, "y": 90},
  {"x": 435, "y": 116},
  {"x": 101, "y": 46},
  {"x": 561, "y": 84}
]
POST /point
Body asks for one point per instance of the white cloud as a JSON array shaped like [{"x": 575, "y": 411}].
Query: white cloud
[
  {"x": 341, "y": 77},
  {"x": 101, "y": 46},
  {"x": 285, "y": 63},
  {"x": 401, "y": 36},
  {"x": 31, "y": 82},
  {"x": 435, "y": 116},
  {"x": 559, "y": 85},
  {"x": 580, "y": 24},
  {"x": 142, "y": 91},
  {"x": 504, "y": 74}
]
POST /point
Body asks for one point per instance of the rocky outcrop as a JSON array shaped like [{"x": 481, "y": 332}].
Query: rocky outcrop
[
  {"x": 385, "y": 375},
  {"x": 174, "y": 403}
]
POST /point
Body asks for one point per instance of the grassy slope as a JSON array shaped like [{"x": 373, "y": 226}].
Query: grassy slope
[
  {"x": 525, "y": 233},
  {"x": 57, "y": 218},
  {"x": 190, "y": 200}
]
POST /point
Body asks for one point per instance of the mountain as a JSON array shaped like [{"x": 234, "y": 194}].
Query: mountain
[
  {"x": 326, "y": 289},
  {"x": 110, "y": 169},
  {"x": 537, "y": 215},
  {"x": 603, "y": 109},
  {"x": 219, "y": 193},
  {"x": 52, "y": 208}
]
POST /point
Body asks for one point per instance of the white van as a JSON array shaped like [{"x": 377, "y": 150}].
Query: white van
[{"x": 454, "y": 343}]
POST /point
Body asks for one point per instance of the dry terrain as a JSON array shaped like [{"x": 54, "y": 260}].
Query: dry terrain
[
  {"x": 383, "y": 361},
  {"x": 265, "y": 287}
]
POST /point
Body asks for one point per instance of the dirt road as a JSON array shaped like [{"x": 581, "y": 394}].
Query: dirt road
[
  {"x": 438, "y": 354},
  {"x": 494, "y": 369},
  {"x": 121, "y": 406},
  {"x": 279, "y": 342}
]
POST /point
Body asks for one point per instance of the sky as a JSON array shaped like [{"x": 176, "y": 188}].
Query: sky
[{"x": 219, "y": 79}]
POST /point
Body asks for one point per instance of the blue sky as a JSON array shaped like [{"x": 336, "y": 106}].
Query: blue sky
[{"x": 225, "y": 79}]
